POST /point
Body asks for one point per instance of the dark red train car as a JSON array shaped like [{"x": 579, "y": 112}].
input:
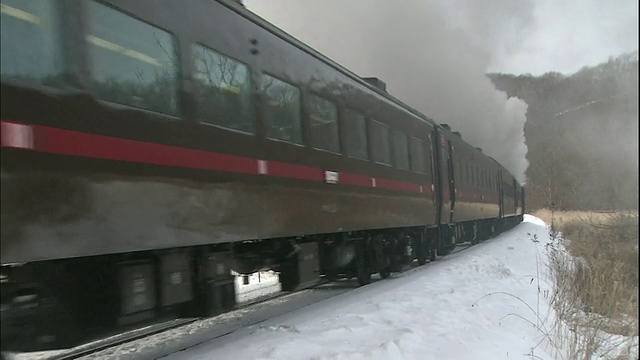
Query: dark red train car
[{"x": 149, "y": 147}]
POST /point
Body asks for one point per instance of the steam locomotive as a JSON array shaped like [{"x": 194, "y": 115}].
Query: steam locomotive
[{"x": 150, "y": 148}]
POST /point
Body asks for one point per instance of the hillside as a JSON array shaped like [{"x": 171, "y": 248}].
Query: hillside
[{"x": 582, "y": 135}]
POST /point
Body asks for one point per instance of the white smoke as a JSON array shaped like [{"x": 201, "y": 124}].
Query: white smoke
[{"x": 436, "y": 65}]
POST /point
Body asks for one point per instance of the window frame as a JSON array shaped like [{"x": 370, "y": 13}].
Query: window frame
[
  {"x": 263, "y": 110},
  {"x": 251, "y": 97},
  {"x": 342, "y": 111},
  {"x": 307, "y": 112},
  {"x": 67, "y": 62},
  {"x": 416, "y": 139},
  {"x": 89, "y": 68},
  {"x": 395, "y": 132},
  {"x": 388, "y": 128}
]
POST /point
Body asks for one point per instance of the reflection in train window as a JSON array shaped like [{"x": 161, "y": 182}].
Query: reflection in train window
[
  {"x": 30, "y": 43},
  {"x": 132, "y": 62},
  {"x": 355, "y": 134},
  {"x": 323, "y": 116},
  {"x": 401, "y": 150},
  {"x": 223, "y": 90},
  {"x": 417, "y": 156},
  {"x": 476, "y": 176},
  {"x": 380, "y": 143},
  {"x": 282, "y": 110}
]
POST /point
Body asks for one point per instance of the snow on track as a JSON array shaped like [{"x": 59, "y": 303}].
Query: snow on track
[{"x": 487, "y": 302}]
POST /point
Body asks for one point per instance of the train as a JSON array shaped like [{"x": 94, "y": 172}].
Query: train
[{"x": 151, "y": 149}]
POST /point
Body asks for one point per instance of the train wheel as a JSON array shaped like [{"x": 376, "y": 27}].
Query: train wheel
[
  {"x": 446, "y": 250},
  {"x": 289, "y": 277},
  {"x": 364, "y": 273},
  {"x": 447, "y": 241},
  {"x": 332, "y": 275},
  {"x": 385, "y": 273},
  {"x": 430, "y": 244},
  {"x": 421, "y": 250},
  {"x": 363, "y": 269}
]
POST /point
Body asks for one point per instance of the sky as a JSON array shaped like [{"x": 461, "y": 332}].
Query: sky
[
  {"x": 522, "y": 36},
  {"x": 434, "y": 55},
  {"x": 564, "y": 36}
]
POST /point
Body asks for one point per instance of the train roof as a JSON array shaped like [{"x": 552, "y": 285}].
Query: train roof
[{"x": 457, "y": 137}]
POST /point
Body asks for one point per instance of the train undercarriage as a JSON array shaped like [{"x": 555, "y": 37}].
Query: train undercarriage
[{"x": 63, "y": 303}]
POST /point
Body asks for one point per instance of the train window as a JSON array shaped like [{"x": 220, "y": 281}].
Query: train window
[
  {"x": 400, "y": 150},
  {"x": 282, "y": 110},
  {"x": 323, "y": 116},
  {"x": 380, "y": 143},
  {"x": 132, "y": 62},
  {"x": 476, "y": 176},
  {"x": 30, "y": 45},
  {"x": 355, "y": 133},
  {"x": 473, "y": 175},
  {"x": 223, "y": 90},
  {"x": 417, "y": 156}
]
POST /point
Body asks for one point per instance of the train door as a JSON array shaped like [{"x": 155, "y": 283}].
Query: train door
[
  {"x": 444, "y": 169},
  {"x": 515, "y": 197},
  {"x": 522, "y": 205},
  {"x": 500, "y": 194},
  {"x": 452, "y": 179},
  {"x": 435, "y": 185}
]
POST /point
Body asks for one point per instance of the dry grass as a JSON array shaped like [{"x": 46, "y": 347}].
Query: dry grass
[{"x": 596, "y": 282}]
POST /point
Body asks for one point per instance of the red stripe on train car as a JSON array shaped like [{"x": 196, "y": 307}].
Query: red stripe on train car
[
  {"x": 355, "y": 179},
  {"x": 74, "y": 143},
  {"x": 67, "y": 142},
  {"x": 302, "y": 172}
]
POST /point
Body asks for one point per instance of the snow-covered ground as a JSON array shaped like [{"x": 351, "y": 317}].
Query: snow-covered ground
[{"x": 490, "y": 301}]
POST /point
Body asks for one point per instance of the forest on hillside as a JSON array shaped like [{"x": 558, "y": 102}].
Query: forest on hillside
[{"x": 582, "y": 135}]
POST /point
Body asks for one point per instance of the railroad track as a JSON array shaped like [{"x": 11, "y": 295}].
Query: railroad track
[
  {"x": 131, "y": 336},
  {"x": 100, "y": 348},
  {"x": 103, "y": 344}
]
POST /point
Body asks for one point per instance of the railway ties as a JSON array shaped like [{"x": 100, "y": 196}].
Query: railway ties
[{"x": 120, "y": 339}]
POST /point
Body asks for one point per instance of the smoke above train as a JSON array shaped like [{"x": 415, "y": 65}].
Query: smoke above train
[{"x": 424, "y": 60}]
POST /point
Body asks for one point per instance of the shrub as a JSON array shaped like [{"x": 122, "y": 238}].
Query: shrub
[{"x": 594, "y": 262}]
